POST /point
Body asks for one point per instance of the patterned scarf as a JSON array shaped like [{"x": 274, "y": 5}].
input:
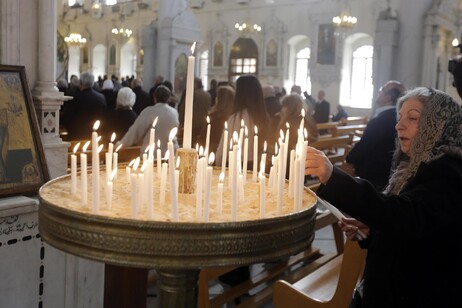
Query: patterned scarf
[{"x": 440, "y": 133}]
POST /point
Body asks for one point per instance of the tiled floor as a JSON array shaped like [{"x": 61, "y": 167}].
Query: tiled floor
[{"x": 324, "y": 240}]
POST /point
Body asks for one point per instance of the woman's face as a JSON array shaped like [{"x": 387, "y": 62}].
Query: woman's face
[{"x": 408, "y": 123}]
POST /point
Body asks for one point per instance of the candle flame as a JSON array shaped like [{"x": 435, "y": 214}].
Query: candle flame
[
  {"x": 132, "y": 162},
  {"x": 255, "y": 129},
  {"x": 211, "y": 158},
  {"x": 144, "y": 166},
  {"x": 118, "y": 147},
  {"x": 276, "y": 149},
  {"x": 172, "y": 134},
  {"x": 264, "y": 147},
  {"x": 99, "y": 138},
  {"x": 221, "y": 177},
  {"x": 281, "y": 133},
  {"x": 303, "y": 113},
  {"x": 178, "y": 162},
  {"x": 230, "y": 146},
  {"x": 193, "y": 47},
  {"x": 96, "y": 125},
  {"x": 235, "y": 136},
  {"x": 272, "y": 160},
  {"x": 226, "y": 125},
  {"x": 201, "y": 151},
  {"x": 208, "y": 119},
  {"x": 113, "y": 136},
  {"x": 242, "y": 123},
  {"x": 246, "y": 131},
  {"x": 86, "y": 145},
  {"x": 158, "y": 143},
  {"x": 100, "y": 148},
  {"x": 154, "y": 123},
  {"x": 76, "y": 147},
  {"x": 305, "y": 133},
  {"x": 136, "y": 163},
  {"x": 167, "y": 154},
  {"x": 287, "y": 125}
]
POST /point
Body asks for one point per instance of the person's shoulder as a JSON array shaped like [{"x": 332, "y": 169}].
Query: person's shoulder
[{"x": 446, "y": 166}]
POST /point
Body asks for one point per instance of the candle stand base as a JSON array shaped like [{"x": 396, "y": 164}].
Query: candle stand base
[
  {"x": 187, "y": 179},
  {"x": 178, "y": 288}
]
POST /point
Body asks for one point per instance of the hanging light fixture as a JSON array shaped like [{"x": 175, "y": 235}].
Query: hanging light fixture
[
  {"x": 75, "y": 40},
  {"x": 344, "y": 21},
  {"x": 121, "y": 34},
  {"x": 247, "y": 29}
]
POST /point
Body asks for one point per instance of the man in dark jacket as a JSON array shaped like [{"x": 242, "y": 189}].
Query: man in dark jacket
[
  {"x": 371, "y": 156},
  {"x": 87, "y": 106},
  {"x": 142, "y": 97}
]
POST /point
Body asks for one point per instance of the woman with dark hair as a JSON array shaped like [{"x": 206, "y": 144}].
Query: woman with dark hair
[
  {"x": 420, "y": 207},
  {"x": 219, "y": 113},
  {"x": 249, "y": 105}
]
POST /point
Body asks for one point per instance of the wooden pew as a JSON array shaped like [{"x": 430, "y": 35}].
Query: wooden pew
[
  {"x": 348, "y": 129},
  {"x": 293, "y": 269},
  {"x": 328, "y": 127},
  {"x": 355, "y": 120},
  {"x": 330, "y": 286},
  {"x": 336, "y": 148}
]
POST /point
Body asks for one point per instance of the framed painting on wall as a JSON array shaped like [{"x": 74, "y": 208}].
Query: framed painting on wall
[
  {"x": 23, "y": 167},
  {"x": 326, "y": 44}
]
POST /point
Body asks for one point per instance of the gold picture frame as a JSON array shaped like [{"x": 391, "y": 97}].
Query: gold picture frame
[{"x": 23, "y": 168}]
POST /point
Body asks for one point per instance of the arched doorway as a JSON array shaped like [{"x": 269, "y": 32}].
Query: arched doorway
[
  {"x": 74, "y": 61},
  {"x": 243, "y": 58},
  {"x": 128, "y": 59}
]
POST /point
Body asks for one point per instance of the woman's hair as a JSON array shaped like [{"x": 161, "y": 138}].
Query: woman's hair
[
  {"x": 291, "y": 108},
  {"x": 439, "y": 133},
  {"x": 125, "y": 98},
  {"x": 224, "y": 101},
  {"x": 249, "y": 95}
]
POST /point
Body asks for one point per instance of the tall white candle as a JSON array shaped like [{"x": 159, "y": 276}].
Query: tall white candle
[
  {"x": 207, "y": 137},
  {"x": 74, "y": 169},
  {"x": 128, "y": 169},
  {"x": 152, "y": 138},
  {"x": 263, "y": 158},
  {"x": 281, "y": 177},
  {"x": 134, "y": 186},
  {"x": 234, "y": 178},
  {"x": 225, "y": 148},
  {"x": 246, "y": 154},
  {"x": 109, "y": 156},
  {"x": 208, "y": 183},
  {"x": 159, "y": 159},
  {"x": 240, "y": 184},
  {"x": 255, "y": 154},
  {"x": 241, "y": 134},
  {"x": 199, "y": 182},
  {"x": 262, "y": 180},
  {"x": 84, "y": 173},
  {"x": 115, "y": 160},
  {"x": 291, "y": 173},
  {"x": 220, "y": 193},
  {"x": 109, "y": 187},
  {"x": 95, "y": 167},
  {"x": 150, "y": 189},
  {"x": 188, "y": 112},
  {"x": 163, "y": 183},
  {"x": 171, "y": 163},
  {"x": 297, "y": 185}
]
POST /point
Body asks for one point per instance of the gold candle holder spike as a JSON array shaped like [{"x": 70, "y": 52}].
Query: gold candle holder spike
[{"x": 187, "y": 178}]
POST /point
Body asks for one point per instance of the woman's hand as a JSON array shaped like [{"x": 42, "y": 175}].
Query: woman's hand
[
  {"x": 318, "y": 164},
  {"x": 351, "y": 227}
]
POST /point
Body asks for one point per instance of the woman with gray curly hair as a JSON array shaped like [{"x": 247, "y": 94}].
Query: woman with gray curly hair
[{"x": 420, "y": 207}]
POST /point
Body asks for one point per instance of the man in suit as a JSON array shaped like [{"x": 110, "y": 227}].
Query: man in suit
[
  {"x": 322, "y": 109},
  {"x": 371, "y": 156},
  {"x": 142, "y": 97}
]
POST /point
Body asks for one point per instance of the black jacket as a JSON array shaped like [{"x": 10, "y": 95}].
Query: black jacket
[{"x": 415, "y": 247}]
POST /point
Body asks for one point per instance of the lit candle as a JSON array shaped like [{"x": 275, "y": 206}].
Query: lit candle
[
  {"x": 240, "y": 185},
  {"x": 271, "y": 174},
  {"x": 171, "y": 163},
  {"x": 297, "y": 186},
  {"x": 281, "y": 176},
  {"x": 189, "y": 100},
  {"x": 262, "y": 180},
  {"x": 246, "y": 154},
  {"x": 95, "y": 167},
  {"x": 152, "y": 137},
  {"x": 141, "y": 187},
  {"x": 128, "y": 169},
  {"x": 159, "y": 159},
  {"x": 109, "y": 156},
  {"x": 163, "y": 183},
  {"x": 115, "y": 160},
  {"x": 150, "y": 188},
  {"x": 234, "y": 177},
  {"x": 263, "y": 158},
  {"x": 255, "y": 154},
  {"x": 208, "y": 183},
  {"x": 134, "y": 186},
  {"x": 74, "y": 169},
  {"x": 220, "y": 193},
  {"x": 109, "y": 187},
  {"x": 241, "y": 133},
  {"x": 225, "y": 148},
  {"x": 84, "y": 173},
  {"x": 207, "y": 137}
]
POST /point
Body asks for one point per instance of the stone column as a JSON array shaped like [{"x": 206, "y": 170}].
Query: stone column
[{"x": 47, "y": 98}]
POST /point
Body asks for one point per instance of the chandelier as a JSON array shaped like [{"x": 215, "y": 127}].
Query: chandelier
[
  {"x": 75, "y": 40},
  {"x": 121, "y": 34},
  {"x": 344, "y": 21},
  {"x": 247, "y": 28}
]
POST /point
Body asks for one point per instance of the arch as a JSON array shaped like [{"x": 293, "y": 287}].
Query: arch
[
  {"x": 181, "y": 67},
  {"x": 74, "y": 61},
  {"x": 296, "y": 44},
  {"x": 128, "y": 59},
  {"x": 243, "y": 58},
  {"x": 99, "y": 60},
  {"x": 351, "y": 44}
]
